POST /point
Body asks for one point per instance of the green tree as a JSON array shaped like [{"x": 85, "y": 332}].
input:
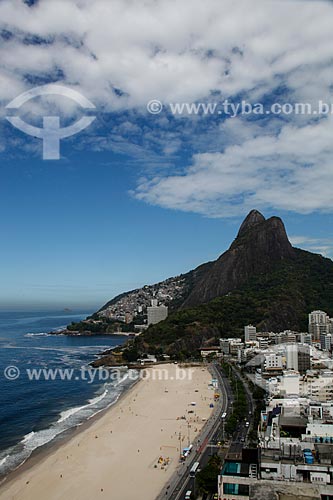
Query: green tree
[{"x": 207, "y": 477}]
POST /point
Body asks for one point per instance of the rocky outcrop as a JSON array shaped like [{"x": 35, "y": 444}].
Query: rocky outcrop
[
  {"x": 261, "y": 279},
  {"x": 259, "y": 245}
]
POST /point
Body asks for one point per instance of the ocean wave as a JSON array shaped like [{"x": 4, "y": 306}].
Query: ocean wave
[
  {"x": 106, "y": 407},
  {"x": 64, "y": 415},
  {"x": 121, "y": 380},
  {"x": 65, "y": 349},
  {"x": 27, "y": 437},
  {"x": 73, "y": 411},
  {"x": 34, "y": 440},
  {"x": 3, "y": 460},
  {"x": 70, "y": 418},
  {"x": 99, "y": 398},
  {"x": 42, "y": 334}
]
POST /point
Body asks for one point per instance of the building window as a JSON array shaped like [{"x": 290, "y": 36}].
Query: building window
[{"x": 235, "y": 489}]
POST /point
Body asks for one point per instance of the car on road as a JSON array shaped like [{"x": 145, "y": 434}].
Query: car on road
[{"x": 188, "y": 495}]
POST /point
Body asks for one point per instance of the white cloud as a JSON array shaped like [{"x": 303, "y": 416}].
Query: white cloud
[
  {"x": 122, "y": 53},
  {"x": 292, "y": 170},
  {"x": 169, "y": 49},
  {"x": 323, "y": 246}
]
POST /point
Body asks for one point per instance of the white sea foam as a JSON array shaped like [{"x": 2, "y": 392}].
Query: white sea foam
[
  {"x": 64, "y": 415},
  {"x": 69, "y": 418},
  {"x": 108, "y": 406},
  {"x": 121, "y": 380},
  {"x": 36, "y": 439},
  {"x": 3, "y": 460},
  {"x": 42, "y": 334},
  {"x": 27, "y": 437},
  {"x": 99, "y": 398}
]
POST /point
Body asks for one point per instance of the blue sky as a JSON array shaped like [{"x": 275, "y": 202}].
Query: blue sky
[{"x": 136, "y": 197}]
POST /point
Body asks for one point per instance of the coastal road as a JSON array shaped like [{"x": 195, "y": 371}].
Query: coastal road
[{"x": 204, "y": 444}]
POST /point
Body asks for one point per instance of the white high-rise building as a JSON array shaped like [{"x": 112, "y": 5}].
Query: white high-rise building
[
  {"x": 290, "y": 383},
  {"x": 292, "y": 357},
  {"x": 318, "y": 388},
  {"x": 273, "y": 361},
  {"x": 319, "y": 322},
  {"x": 306, "y": 338},
  {"x": 156, "y": 313},
  {"x": 330, "y": 325},
  {"x": 263, "y": 342},
  {"x": 326, "y": 341},
  {"x": 250, "y": 333},
  {"x": 225, "y": 346},
  {"x": 318, "y": 318}
]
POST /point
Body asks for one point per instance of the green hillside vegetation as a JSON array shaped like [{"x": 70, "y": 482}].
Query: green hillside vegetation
[
  {"x": 275, "y": 301},
  {"x": 105, "y": 326}
]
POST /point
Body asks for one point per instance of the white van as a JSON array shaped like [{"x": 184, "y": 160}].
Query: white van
[{"x": 188, "y": 495}]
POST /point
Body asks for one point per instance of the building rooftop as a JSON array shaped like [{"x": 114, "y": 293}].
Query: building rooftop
[{"x": 293, "y": 421}]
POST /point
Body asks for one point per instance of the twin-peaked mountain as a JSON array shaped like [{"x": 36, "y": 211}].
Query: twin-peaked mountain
[
  {"x": 259, "y": 245},
  {"x": 260, "y": 279}
]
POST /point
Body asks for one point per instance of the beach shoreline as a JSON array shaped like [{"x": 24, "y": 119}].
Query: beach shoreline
[
  {"x": 142, "y": 426},
  {"x": 42, "y": 452}
]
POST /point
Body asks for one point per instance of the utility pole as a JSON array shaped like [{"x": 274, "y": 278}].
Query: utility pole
[
  {"x": 188, "y": 434},
  {"x": 180, "y": 445}
]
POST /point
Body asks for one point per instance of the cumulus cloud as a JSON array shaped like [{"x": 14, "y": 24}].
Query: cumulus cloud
[
  {"x": 168, "y": 49},
  {"x": 323, "y": 246},
  {"x": 290, "y": 171},
  {"x": 122, "y": 53}
]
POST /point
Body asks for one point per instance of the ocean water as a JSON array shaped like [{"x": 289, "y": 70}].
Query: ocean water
[{"x": 36, "y": 412}]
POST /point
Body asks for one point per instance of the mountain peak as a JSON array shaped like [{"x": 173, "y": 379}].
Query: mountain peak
[
  {"x": 251, "y": 220},
  {"x": 260, "y": 245}
]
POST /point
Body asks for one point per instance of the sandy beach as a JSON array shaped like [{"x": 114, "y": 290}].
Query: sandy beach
[{"x": 130, "y": 452}]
